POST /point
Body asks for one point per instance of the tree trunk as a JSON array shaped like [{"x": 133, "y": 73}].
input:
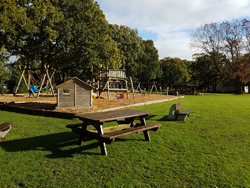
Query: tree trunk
[{"x": 239, "y": 87}]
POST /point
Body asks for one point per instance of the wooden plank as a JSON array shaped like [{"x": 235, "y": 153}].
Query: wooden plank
[
  {"x": 132, "y": 130},
  {"x": 67, "y": 99},
  {"x": 5, "y": 126},
  {"x": 112, "y": 115},
  {"x": 63, "y": 104},
  {"x": 178, "y": 105},
  {"x": 74, "y": 125},
  {"x": 185, "y": 112},
  {"x": 115, "y": 128}
]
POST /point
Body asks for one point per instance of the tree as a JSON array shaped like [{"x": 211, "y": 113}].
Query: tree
[
  {"x": 202, "y": 71},
  {"x": 238, "y": 72},
  {"x": 20, "y": 18},
  {"x": 4, "y": 73},
  {"x": 131, "y": 46},
  {"x": 82, "y": 46},
  {"x": 174, "y": 70},
  {"x": 227, "y": 38},
  {"x": 148, "y": 62}
]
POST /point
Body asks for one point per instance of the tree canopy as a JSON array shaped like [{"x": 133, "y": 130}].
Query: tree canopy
[
  {"x": 230, "y": 39},
  {"x": 174, "y": 70},
  {"x": 18, "y": 19}
]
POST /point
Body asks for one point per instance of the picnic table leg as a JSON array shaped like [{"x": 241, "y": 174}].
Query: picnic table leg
[
  {"x": 81, "y": 137},
  {"x": 102, "y": 144},
  {"x": 146, "y": 134}
]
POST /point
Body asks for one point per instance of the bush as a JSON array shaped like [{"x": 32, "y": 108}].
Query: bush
[
  {"x": 3, "y": 91},
  {"x": 22, "y": 88}
]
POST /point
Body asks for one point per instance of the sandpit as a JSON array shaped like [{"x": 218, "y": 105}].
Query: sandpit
[{"x": 48, "y": 103}]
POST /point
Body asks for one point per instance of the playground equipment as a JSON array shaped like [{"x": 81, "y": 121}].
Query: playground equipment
[
  {"x": 114, "y": 80},
  {"x": 33, "y": 80},
  {"x": 151, "y": 86}
]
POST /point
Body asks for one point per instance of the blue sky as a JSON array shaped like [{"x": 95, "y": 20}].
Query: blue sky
[{"x": 169, "y": 23}]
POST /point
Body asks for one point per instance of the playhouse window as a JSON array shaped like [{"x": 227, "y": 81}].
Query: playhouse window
[{"x": 66, "y": 92}]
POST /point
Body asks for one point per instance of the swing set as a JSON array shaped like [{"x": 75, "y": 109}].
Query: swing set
[
  {"x": 40, "y": 82},
  {"x": 143, "y": 91}
]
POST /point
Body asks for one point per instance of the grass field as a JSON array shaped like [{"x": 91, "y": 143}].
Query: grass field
[{"x": 210, "y": 149}]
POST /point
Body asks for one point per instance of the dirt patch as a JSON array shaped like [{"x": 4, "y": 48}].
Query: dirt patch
[{"x": 49, "y": 103}]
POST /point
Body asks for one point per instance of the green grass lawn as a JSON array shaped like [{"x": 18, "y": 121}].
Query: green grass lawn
[{"x": 210, "y": 149}]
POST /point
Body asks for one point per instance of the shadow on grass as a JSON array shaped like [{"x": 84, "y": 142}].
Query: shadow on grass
[
  {"x": 55, "y": 143},
  {"x": 148, "y": 117},
  {"x": 37, "y": 112},
  {"x": 164, "y": 118}
]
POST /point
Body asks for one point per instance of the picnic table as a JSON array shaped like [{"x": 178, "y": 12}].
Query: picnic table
[{"x": 124, "y": 117}]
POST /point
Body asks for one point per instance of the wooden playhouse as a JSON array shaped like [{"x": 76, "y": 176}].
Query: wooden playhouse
[{"x": 74, "y": 93}]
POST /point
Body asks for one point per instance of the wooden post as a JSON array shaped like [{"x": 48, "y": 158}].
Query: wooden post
[
  {"x": 144, "y": 92},
  {"x": 151, "y": 89},
  {"x": 47, "y": 73},
  {"x": 155, "y": 88},
  {"x": 98, "y": 89},
  {"x": 58, "y": 94},
  {"x": 132, "y": 86},
  {"x": 146, "y": 135},
  {"x": 41, "y": 86},
  {"x": 102, "y": 144},
  {"x": 139, "y": 86},
  {"x": 91, "y": 98},
  {"x": 22, "y": 76},
  {"x": 127, "y": 88},
  {"x": 75, "y": 94},
  {"x": 108, "y": 91}
]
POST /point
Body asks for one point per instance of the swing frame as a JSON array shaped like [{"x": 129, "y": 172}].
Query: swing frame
[
  {"x": 43, "y": 80},
  {"x": 142, "y": 91}
]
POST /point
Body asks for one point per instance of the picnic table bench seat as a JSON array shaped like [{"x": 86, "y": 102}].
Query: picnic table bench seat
[
  {"x": 5, "y": 128},
  {"x": 175, "y": 114},
  {"x": 111, "y": 136}
]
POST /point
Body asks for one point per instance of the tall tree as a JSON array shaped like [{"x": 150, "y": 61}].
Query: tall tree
[
  {"x": 4, "y": 73},
  {"x": 238, "y": 72},
  {"x": 131, "y": 46},
  {"x": 83, "y": 46},
  {"x": 203, "y": 72},
  {"x": 174, "y": 70},
  {"x": 230, "y": 38},
  {"x": 148, "y": 62},
  {"x": 20, "y": 18}
]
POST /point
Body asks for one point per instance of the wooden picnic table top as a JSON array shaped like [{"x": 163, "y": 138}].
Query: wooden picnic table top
[{"x": 112, "y": 115}]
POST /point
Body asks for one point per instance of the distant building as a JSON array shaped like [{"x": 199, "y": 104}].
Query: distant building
[{"x": 185, "y": 88}]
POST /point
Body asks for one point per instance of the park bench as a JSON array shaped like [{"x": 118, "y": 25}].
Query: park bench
[
  {"x": 175, "y": 114},
  {"x": 5, "y": 128}
]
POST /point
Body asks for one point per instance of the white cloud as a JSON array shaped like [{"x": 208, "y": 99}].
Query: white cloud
[{"x": 170, "y": 19}]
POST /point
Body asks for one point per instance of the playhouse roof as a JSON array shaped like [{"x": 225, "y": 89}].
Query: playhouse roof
[{"x": 75, "y": 80}]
